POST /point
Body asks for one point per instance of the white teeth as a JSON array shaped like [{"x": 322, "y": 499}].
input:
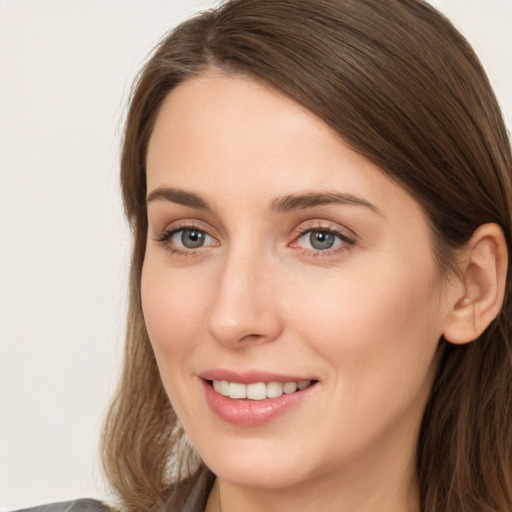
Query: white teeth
[
  {"x": 274, "y": 389},
  {"x": 224, "y": 387},
  {"x": 237, "y": 390},
  {"x": 290, "y": 387},
  {"x": 258, "y": 390},
  {"x": 221, "y": 386}
]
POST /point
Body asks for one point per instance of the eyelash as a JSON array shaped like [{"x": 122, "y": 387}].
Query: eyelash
[
  {"x": 166, "y": 235},
  {"x": 346, "y": 241}
]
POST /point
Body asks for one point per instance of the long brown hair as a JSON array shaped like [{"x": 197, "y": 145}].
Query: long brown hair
[{"x": 405, "y": 90}]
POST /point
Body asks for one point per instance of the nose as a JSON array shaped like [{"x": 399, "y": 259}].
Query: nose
[{"x": 245, "y": 306}]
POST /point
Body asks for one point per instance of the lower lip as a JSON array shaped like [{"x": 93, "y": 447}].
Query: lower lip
[{"x": 251, "y": 413}]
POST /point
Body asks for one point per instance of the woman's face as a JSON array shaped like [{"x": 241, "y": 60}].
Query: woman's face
[{"x": 276, "y": 254}]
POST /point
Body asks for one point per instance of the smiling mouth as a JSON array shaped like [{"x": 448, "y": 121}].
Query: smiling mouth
[{"x": 258, "y": 390}]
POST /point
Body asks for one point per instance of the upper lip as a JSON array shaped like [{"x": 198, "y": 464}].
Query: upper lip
[{"x": 251, "y": 376}]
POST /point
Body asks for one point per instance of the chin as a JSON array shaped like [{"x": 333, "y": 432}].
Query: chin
[
  {"x": 258, "y": 464},
  {"x": 258, "y": 475}
]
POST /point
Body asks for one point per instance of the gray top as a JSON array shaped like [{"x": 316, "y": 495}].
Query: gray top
[
  {"x": 196, "y": 502},
  {"x": 83, "y": 505},
  {"x": 198, "y": 495}
]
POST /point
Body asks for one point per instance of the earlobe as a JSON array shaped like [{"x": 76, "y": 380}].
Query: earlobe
[{"x": 484, "y": 269}]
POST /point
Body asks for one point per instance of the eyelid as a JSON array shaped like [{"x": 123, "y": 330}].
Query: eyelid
[
  {"x": 165, "y": 235},
  {"x": 323, "y": 225},
  {"x": 347, "y": 236},
  {"x": 179, "y": 224}
]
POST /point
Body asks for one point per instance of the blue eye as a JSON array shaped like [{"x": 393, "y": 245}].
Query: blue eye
[
  {"x": 190, "y": 238},
  {"x": 322, "y": 240}
]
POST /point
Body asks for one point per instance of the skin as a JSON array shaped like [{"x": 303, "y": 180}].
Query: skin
[{"x": 363, "y": 318}]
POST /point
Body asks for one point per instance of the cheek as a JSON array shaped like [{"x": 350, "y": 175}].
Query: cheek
[
  {"x": 364, "y": 308},
  {"x": 376, "y": 334},
  {"x": 379, "y": 332},
  {"x": 173, "y": 306}
]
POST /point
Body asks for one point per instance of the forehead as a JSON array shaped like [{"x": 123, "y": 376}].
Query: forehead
[{"x": 240, "y": 137}]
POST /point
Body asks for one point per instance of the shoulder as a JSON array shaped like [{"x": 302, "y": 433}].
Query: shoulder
[{"x": 83, "y": 505}]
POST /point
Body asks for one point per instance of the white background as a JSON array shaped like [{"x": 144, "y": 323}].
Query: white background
[{"x": 66, "y": 67}]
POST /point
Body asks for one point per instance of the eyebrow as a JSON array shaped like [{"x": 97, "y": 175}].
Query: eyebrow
[
  {"x": 309, "y": 200},
  {"x": 280, "y": 204},
  {"x": 177, "y": 196}
]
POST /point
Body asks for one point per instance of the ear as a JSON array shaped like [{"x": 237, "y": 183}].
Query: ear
[{"x": 484, "y": 269}]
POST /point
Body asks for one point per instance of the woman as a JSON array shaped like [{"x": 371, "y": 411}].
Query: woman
[{"x": 319, "y": 318}]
